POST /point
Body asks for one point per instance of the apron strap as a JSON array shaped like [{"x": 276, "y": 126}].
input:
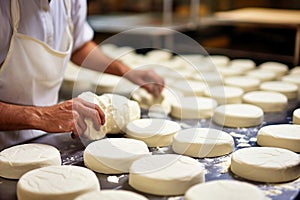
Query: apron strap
[
  {"x": 68, "y": 10},
  {"x": 15, "y": 14}
]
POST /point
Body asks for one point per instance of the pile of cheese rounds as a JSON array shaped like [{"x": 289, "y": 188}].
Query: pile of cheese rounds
[{"x": 231, "y": 93}]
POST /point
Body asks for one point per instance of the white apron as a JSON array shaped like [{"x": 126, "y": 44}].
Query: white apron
[{"x": 32, "y": 73}]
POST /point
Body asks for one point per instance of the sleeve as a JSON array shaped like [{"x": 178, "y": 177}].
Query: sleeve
[{"x": 82, "y": 32}]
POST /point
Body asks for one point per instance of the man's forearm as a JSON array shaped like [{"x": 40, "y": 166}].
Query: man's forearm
[
  {"x": 90, "y": 56},
  {"x": 15, "y": 117}
]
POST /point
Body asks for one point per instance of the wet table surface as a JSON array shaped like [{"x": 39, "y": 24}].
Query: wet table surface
[{"x": 216, "y": 168}]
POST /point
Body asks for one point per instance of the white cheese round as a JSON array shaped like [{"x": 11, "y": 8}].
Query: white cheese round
[
  {"x": 296, "y": 116},
  {"x": 292, "y": 78},
  {"x": 267, "y": 101},
  {"x": 189, "y": 87},
  {"x": 225, "y": 190},
  {"x": 295, "y": 70},
  {"x": 238, "y": 115},
  {"x": 290, "y": 90},
  {"x": 17, "y": 160},
  {"x": 244, "y": 82},
  {"x": 279, "y": 68},
  {"x": 111, "y": 195},
  {"x": 243, "y": 65},
  {"x": 285, "y": 136},
  {"x": 154, "y": 132},
  {"x": 114, "y": 155},
  {"x": 159, "y": 55},
  {"x": 262, "y": 75},
  {"x": 225, "y": 94},
  {"x": 193, "y": 108},
  {"x": 202, "y": 142},
  {"x": 218, "y": 60},
  {"x": 266, "y": 164},
  {"x": 167, "y": 174},
  {"x": 57, "y": 182},
  {"x": 229, "y": 72}
]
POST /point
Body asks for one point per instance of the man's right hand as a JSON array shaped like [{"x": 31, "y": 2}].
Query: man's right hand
[{"x": 69, "y": 116}]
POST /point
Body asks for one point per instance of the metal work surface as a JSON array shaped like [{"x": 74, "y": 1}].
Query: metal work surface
[{"x": 216, "y": 168}]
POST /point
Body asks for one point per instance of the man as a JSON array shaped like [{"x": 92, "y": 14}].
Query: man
[{"x": 38, "y": 38}]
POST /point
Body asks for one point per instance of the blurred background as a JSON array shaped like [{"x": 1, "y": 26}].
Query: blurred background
[{"x": 261, "y": 30}]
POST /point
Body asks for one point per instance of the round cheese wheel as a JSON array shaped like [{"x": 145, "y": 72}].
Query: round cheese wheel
[
  {"x": 244, "y": 82},
  {"x": 279, "y": 68},
  {"x": 293, "y": 78},
  {"x": 166, "y": 174},
  {"x": 267, "y": 101},
  {"x": 225, "y": 94},
  {"x": 243, "y": 65},
  {"x": 229, "y": 71},
  {"x": 262, "y": 75},
  {"x": 56, "y": 182},
  {"x": 296, "y": 116},
  {"x": 193, "y": 108},
  {"x": 290, "y": 90},
  {"x": 225, "y": 190},
  {"x": 17, "y": 160},
  {"x": 154, "y": 132},
  {"x": 266, "y": 164},
  {"x": 113, "y": 155},
  {"x": 111, "y": 195},
  {"x": 212, "y": 78},
  {"x": 218, "y": 60},
  {"x": 160, "y": 55},
  {"x": 285, "y": 136},
  {"x": 295, "y": 70},
  {"x": 238, "y": 115},
  {"x": 202, "y": 142},
  {"x": 190, "y": 87}
]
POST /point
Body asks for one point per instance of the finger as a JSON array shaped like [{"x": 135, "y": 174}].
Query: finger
[
  {"x": 156, "y": 90},
  {"x": 82, "y": 125},
  {"x": 75, "y": 127},
  {"x": 77, "y": 130},
  {"x": 90, "y": 110},
  {"x": 100, "y": 115},
  {"x": 147, "y": 87}
]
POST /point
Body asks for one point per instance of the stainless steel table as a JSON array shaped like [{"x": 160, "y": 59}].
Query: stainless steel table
[{"x": 217, "y": 168}]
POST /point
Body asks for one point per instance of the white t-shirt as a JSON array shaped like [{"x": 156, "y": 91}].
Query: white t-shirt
[{"x": 44, "y": 21}]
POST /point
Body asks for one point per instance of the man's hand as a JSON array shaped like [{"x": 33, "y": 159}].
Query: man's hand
[
  {"x": 147, "y": 79},
  {"x": 69, "y": 116}
]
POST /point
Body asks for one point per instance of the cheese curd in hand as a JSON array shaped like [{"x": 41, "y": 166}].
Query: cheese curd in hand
[{"x": 119, "y": 111}]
